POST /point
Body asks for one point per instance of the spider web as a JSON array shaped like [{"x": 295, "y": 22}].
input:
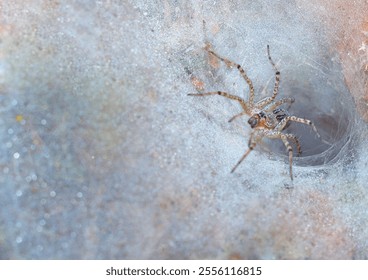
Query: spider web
[{"x": 315, "y": 80}]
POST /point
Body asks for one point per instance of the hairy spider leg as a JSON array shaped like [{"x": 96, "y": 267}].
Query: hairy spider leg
[
  {"x": 290, "y": 151},
  {"x": 296, "y": 141},
  {"x": 278, "y": 103},
  {"x": 224, "y": 94},
  {"x": 266, "y": 101},
  {"x": 251, "y": 145},
  {"x": 272, "y": 135},
  {"x": 284, "y": 138},
  {"x": 240, "y": 160},
  {"x": 277, "y": 76},
  {"x": 238, "y": 115},
  {"x": 242, "y": 72},
  {"x": 285, "y": 120}
]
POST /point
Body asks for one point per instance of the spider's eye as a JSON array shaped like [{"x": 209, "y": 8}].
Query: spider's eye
[{"x": 253, "y": 122}]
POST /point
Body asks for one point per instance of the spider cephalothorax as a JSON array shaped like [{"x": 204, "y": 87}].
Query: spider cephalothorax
[
  {"x": 266, "y": 119},
  {"x": 256, "y": 119}
]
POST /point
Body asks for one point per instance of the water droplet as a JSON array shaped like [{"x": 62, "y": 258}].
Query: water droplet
[
  {"x": 52, "y": 194},
  {"x": 16, "y": 155}
]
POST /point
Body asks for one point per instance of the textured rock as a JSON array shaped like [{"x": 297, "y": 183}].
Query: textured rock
[{"x": 104, "y": 156}]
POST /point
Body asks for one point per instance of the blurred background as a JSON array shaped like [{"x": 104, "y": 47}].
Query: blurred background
[{"x": 104, "y": 156}]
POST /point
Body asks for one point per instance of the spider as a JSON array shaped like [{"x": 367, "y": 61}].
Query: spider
[{"x": 266, "y": 119}]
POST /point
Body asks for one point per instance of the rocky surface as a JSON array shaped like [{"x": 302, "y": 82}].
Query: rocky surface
[{"x": 104, "y": 156}]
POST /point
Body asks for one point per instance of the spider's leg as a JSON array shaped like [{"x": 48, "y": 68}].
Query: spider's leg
[
  {"x": 266, "y": 101},
  {"x": 296, "y": 141},
  {"x": 251, "y": 145},
  {"x": 278, "y": 103},
  {"x": 290, "y": 151},
  {"x": 285, "y": 120},
  {"x": 229, "y": 63},
  {"x": 277, "y": 75},
  {"x": 284, "y": 138},
  {"x": 238, "y": 115},
  {"x": 224, "y": 94},
  {"x": 263, "y": 103},
  {"x": 241, "y": 159}
]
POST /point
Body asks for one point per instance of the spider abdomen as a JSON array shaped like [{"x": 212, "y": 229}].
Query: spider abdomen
[{"x": 281, "y": 114}]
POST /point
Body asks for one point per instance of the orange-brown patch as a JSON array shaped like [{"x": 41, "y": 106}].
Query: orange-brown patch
[
  {"x": 262, "y": 123},
  {"x": 213, "y": 60},
  {"x": 235, "y": 256},
  {"x": 365, "y": 26},
  {"x": 197, "y": 83},
  {"x": 215, "y": 28}
]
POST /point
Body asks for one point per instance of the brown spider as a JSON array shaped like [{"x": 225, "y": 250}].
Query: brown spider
[{"x": 266, "y": 119}]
